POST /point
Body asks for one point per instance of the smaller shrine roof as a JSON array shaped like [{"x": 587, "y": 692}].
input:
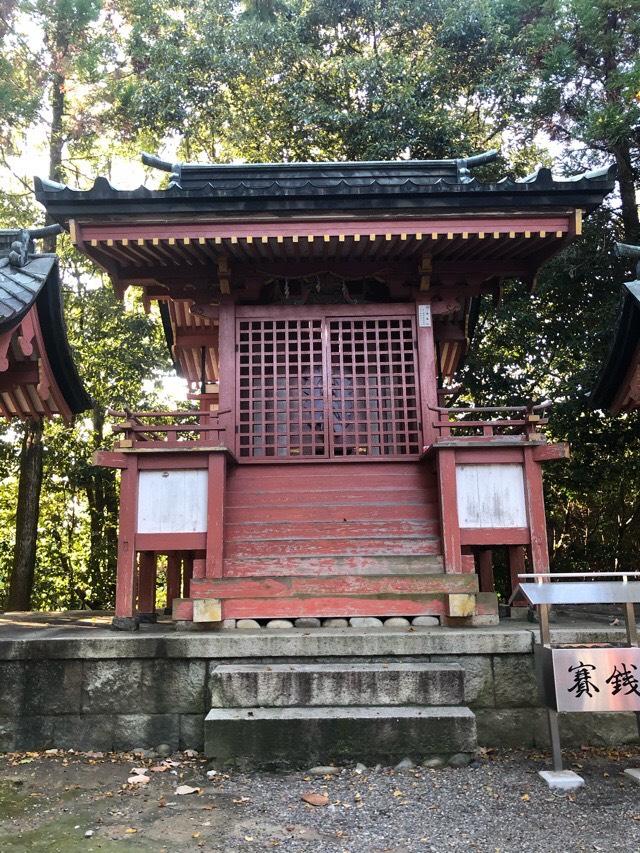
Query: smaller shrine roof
[
  {"x": 29, "y": 280},
  {"x": 615, "y": 389},
  {"x": 411, "y": 187}
]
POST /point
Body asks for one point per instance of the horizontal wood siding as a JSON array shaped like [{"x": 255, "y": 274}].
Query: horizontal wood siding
[
  {"x": 319, "y": 511},
  {"x": 333, "y": 586}
]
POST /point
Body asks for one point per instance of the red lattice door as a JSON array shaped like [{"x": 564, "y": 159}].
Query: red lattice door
[
  {"x": 327, "y": 386},
  {"x": 373, "y": 387}
]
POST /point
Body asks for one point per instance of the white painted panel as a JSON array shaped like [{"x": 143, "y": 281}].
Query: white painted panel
[
  {"x": 491, "y": 496},
  {"x": 172, "y": 502}
]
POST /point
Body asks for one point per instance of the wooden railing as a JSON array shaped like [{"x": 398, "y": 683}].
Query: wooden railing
[
  {"x": 463, "y": 421},
  {"x": 191, "y": 427}
]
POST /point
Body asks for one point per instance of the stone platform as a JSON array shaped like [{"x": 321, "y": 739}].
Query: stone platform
[{"x": 69, "y": 681}]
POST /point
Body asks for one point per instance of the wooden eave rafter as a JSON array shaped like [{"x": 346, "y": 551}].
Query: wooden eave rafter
[
  {"x": 149, "y": 253},
  {"x": 28, "y": 387},
  {"x": 190, "y": 334}
]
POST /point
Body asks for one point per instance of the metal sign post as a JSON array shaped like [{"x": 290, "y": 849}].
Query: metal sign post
[{"x": 583, "y": 677}]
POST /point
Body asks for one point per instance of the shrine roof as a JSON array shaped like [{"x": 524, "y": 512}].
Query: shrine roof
[
  {"x": 410, "y": 187},
  {"x": 31, "y": 280},
  {"x": 615, "y": 381}
]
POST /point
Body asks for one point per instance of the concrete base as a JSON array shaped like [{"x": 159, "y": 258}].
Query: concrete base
[
  {"x": 147, "y": 618},
  {"x": 633, "y": 773},
  {"x": 562, "y": 780},
  {"x": 125, "y": 623},
  {"x": 280, "y": 738},
  {"x": 348, "y": 683}
]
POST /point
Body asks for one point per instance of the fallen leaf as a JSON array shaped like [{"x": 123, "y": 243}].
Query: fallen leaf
[
  {"x": 195, "y": 834},
  {"x": 525, "y": 797},
  {"x": 186, "y": 789},
  {"x": 131, "y": 831},
  {"x": 141, "y": 771},
  {"x": 138, "y": 780},
  {"x": 159, "y": 768},
  {"x": 190, "y": 753},
  {"x": 315, "y": 799}
]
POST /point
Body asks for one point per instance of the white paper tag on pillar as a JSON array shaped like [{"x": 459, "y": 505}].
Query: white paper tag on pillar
[{"x": 424, "y": 316}]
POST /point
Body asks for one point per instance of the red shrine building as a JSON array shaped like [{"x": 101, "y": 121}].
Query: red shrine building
[
  {"x": 618, "y": 386},
  {"x": 319, "y": 312},
  {"x": 38, "y": 376}
]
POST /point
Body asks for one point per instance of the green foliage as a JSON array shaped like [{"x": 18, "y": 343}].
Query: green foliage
[
  {"x": 300, "y": 80},
  {"x": 551, "y": 346},
  {"x": 320, "y": 79}
]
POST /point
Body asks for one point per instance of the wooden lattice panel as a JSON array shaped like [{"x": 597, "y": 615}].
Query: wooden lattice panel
[
  {"x": 373, "y": 387},
  {"x": 327, "y": 387},
  {"x": 281, "y": 388}
]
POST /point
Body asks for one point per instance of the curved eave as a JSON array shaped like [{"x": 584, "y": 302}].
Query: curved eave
[
  {"x": 36, "y": 285},
  {"x": 357, "y": 196},
  {"x": 54, "y": 332},
  {"x": 623, "y": 353}
]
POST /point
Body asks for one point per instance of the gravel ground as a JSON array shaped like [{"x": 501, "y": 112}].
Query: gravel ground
[{"x": 48, "y": 802}]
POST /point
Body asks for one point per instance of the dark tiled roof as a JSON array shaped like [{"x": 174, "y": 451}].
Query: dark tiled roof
[
  {"x": 22, "y": 274},
  {"x": 27, "y": 280},
  {"x": 624, "y": 347},
  {"x": 402, "y": 186}
]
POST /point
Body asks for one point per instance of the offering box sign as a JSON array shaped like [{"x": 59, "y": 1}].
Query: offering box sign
[{"x": 597, "y": 679}]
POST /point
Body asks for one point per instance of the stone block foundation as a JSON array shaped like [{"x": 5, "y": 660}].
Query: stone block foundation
[{"x": 93, "y": 689}]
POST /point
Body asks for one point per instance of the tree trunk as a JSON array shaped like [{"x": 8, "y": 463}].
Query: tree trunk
[
  {"x": 102, "y": 497},
  {"x": 27, "y": 515},
  {"x": 28, "y": 511},
  {"x": 626, "y": 181}
]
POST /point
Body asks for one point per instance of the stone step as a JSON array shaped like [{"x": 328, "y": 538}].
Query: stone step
[
  {"x": 281, "y": 738},
  {"x": 338, "y": 684}
]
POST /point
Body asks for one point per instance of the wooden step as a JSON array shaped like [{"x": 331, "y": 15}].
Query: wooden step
[
  {"x": 329, "y": 530},
  {"x": 352, "y": 493},
  {"x": 322, "y": 607},
  {"x": 344, "y": 547},
  {"x": 336, "y": 566},
  {"x": 335, "y": 512},
  {"x": 386, "y": 586},
  {"x": 275, "y": 476}
]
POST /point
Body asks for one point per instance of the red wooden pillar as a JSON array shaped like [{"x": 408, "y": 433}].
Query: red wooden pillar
[
  {"x": 485, "y": 570},
  {"x": 126, "y": 568},
  {"x": 147, "y": 586},
  {"x": 198, "y": 569},
  {"x": 227, "y": 368},
  {"x": 450, "y": 527},
  {"x": 173, "y": 578},
  {"x": 215, "y": 515},
  {"x": 535, "y": 511},
  {"x": 516, "y": 564},
  {"x": 427, "y": 369},
  {"x": 187, "y": 575}
]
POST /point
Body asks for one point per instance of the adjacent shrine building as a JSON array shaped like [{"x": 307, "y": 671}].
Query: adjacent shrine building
[
  {"x": 319, "y": 312},
  {"x": 38, "y": 376},
  {"x": 618, "y": 386}
]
